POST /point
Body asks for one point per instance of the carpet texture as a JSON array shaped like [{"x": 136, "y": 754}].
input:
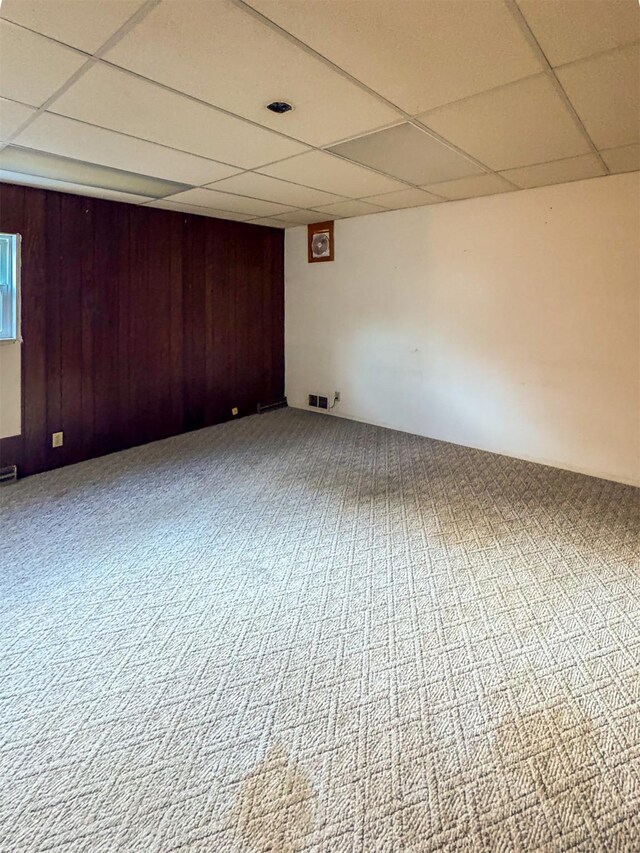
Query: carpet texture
[{"x": 299, "y": 633}]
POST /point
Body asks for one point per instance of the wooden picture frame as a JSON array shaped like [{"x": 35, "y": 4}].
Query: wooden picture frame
[{"x": 320, "y": 242}]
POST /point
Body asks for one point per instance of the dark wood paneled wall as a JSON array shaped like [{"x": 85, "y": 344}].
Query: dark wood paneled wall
[{"x": 138, "y": 323}]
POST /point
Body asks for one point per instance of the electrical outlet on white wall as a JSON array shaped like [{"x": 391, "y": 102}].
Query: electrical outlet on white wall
[{"x": 322, "y": 402}]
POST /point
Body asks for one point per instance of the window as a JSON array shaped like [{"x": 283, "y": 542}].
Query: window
[{"x": 9, "y": 266}]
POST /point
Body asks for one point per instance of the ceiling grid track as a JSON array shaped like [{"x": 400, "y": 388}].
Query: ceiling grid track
[
  {"x": 407, "y": 117},
  {"x": 141, "y": 13},
  {"x": 527, "y": 32}
]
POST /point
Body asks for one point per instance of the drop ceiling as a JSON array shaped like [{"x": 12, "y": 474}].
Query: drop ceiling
[{"x": 397, "y": 103}]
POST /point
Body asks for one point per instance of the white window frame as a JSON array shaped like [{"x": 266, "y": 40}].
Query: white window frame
[{"x": 14, "y": 330}]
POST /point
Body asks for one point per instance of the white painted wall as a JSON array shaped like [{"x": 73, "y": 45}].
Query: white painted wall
[
  {"x": 9, "y": 389},
  {"x": 509, "y": 323}
]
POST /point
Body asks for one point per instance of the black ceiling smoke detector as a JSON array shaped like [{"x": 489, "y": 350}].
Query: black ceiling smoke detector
[{"x": 279, "y": 107}]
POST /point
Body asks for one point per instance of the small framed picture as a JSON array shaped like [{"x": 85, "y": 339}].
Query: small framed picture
[{"x": 320, "y": 242}]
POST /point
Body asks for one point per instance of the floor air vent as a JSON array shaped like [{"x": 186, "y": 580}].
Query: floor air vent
[
  {"x": 8, "y": 474},
  {"x": 270, "y": 407}
]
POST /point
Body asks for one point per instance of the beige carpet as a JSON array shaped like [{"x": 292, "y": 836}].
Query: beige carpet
[{"x": 296, "y": 633}]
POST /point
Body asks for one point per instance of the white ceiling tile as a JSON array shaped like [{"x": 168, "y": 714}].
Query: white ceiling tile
[
  {"x": 303, "y": 217},
  {"x": 332, "y": 174},
  {"x": 270, "y": 223},
  {"x": 71, "y": 138},
  {"x": 557, "y": 172},
  {"x": 68, "y": 187},
  {"x": 271, "y": 189},
  {"x": 626, "y": 159},
  {"x": 119, "y": 101},
  {"x": 407, "y": 153},
  {"x": 519, "y": 124},
  {"x": 226, "y": 201},
  {"x": 419, "y": 55},
  {"x": 223, "y": 55},
  {"x": 471, "y": 187},
  {"x": 567, "y": 30},
  {"x": 32, "y": 67},
  {"x": 605, "y": 92},
  {"x": 81, "y": 23},
  {"x": 402, "y": 199},
  {"x": 198, "y": 210},
  {"x": 12, "y": 115},
  {"x": 345, "y": 209}
]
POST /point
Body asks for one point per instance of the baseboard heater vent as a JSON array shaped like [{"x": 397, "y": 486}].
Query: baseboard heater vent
[
  {"x": 8, "y": 474},
  {"x": 263, "y": 408}
]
